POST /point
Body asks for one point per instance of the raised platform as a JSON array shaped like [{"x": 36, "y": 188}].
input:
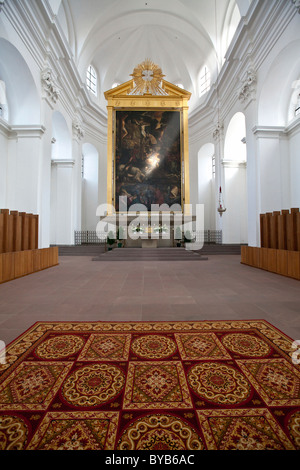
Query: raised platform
[
  {"x": 96, "y": 250},
  {"x": 150, "y": 254}
]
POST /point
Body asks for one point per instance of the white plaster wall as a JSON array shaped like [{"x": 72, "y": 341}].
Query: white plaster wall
[
  {"x": 62, "y": 232},
  {"x": 3, "y": 169},
  {"x": 295, "y": 170},
  {"x": 206, "y": 184},
  {"x": 235, "y": 229},
  {"x": 23, "y": 175},
  {"x": 90, "y": 199}
]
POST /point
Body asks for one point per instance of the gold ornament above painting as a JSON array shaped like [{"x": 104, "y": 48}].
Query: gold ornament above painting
[{"x": 147, "y": 148}]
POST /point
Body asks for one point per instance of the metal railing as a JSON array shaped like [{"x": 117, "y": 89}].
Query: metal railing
[
  {"x": 210, "y": 237},
  {"x": 89, "y": 237}
]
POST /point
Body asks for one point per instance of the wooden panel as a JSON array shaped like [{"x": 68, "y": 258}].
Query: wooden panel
[
  {"x": 36, "y": 232},
  {"x": 272, "y": 260},
  {"x": 53, "y": 255},
  {"x": 17, "y": 231},
  {"x": 292, "y": 230},
  {"x": 29, "y": 262},
  {"x": 274, "y": 230},
  {"x": 19, "y": 264},
  {"x": 1, "y": 232},
  {"x": 8, "y": 267},
  {"x": 5, "y": 213},
  {"x": 44, "y": 258},
  {"x": 282, "y": 235},
  {"x": 10, "y": 233},
  {"x": 254, "y": 256},
  {"x": 263, "y": 259},
  {"x": 25, "y": 231},
  {"x": 262, "y": 229},
  {"x": 32, "y": 232},
  {"x": 36, "y": 260},
  {"x": 244, "y": 254},
  {"x": 294, "y": 264},
  {"x": 298, "y": 230},
  {"x": 282, "y": 262}
]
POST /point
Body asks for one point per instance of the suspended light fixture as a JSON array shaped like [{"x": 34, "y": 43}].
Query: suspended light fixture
[{"x": 221, "y": 208}]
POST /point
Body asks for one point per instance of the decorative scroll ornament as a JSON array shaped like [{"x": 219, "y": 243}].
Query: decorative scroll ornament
[
  {"x": 49, "y": 85},
  {"x": 218, "y": 131},
  {"x": 248, "y": 89},
  {"x": 147, "y": 79},
  {"x": 78, "y": 132},
  {"x": 297, "y": 4}
]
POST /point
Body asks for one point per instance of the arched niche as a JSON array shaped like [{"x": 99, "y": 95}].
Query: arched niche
[
  {"x": 273, "y": 107},
  {"x": 23, "y": 101},
  {"x": 235, "y": 220},
  {"x": 61, "y": 138},
  {"x": 206, "y": 183},
  {"x": 235, "y": 148},
  {"x": 90, "y": 186}
]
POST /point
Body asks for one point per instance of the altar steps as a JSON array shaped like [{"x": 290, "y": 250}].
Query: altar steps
[
  {"x": 81, "y": 250},
  {"x": 127, "y": 254},
  {"x": 149, "y": 254}
]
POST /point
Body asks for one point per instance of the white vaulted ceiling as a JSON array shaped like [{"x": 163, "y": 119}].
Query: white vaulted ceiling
[{"x": 181, "y": 36}]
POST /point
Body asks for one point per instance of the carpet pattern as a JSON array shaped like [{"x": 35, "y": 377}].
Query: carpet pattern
[{"x": 150, "y": 386}]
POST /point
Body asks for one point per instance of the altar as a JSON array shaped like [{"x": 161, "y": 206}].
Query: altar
[{"x": 147, "y": 157}]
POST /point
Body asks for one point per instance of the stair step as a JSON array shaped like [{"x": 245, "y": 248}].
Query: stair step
[{"x": 127, "y": 254}]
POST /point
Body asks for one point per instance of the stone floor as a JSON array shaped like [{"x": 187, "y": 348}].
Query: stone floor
[{"x": 82, "y": 290}]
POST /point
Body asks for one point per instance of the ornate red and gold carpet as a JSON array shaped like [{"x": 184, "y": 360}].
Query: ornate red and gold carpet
[{"x": 150, "y": 386}]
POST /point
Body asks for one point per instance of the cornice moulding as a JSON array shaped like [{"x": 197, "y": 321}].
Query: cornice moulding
[
  {"x": 270, "y": 132},
  {"x": 28, "y": 131},
  {"x": 233, "y": 164},
  {"x": 63, "y": 163},
  {"x": 21, "y": 131}
]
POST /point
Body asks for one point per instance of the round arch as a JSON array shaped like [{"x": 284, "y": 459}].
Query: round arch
[
  {"x": 283, "y": 72},
  {"x": 61, "y": 138},
  {"x": 234, "y": 147},
  {"x": 23, "y": 101}
]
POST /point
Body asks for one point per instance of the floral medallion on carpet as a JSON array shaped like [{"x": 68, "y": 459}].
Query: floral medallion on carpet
[{"x": 150, "y": 386}]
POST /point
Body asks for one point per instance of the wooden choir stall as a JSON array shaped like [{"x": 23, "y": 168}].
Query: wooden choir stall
[
  {"x": 19, "y": 252},
  {"x": 280, "y": 244}
]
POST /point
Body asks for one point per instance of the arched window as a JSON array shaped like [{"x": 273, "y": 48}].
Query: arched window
[
  {"x": 91, "y": 80},
  {"x": 204, "y": 80}
]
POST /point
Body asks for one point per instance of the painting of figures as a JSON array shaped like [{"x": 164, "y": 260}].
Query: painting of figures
[{"x": 148, "y": 158}]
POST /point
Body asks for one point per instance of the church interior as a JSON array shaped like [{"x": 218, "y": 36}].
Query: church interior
[{"x": 84, "y": 86}]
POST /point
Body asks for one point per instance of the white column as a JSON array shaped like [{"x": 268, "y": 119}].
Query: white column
[
  {"x": 273, "y": 168},
  {"x": 78, "y": 135},
  {"x": 62, "y": 202},
  {"x": 218, "y": 136}
]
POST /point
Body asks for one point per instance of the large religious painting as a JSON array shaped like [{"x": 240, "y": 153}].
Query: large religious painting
[{"x": 148, "y": 158}]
